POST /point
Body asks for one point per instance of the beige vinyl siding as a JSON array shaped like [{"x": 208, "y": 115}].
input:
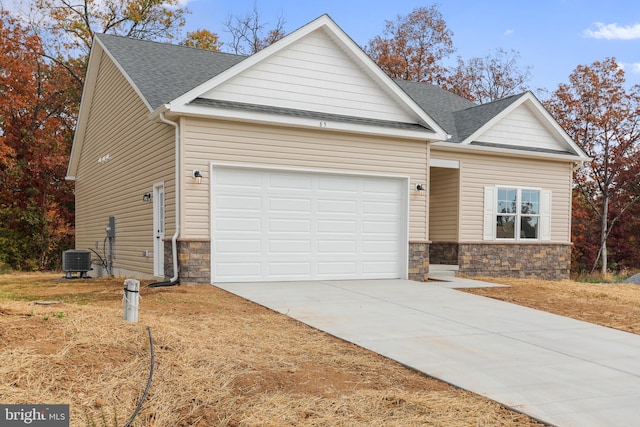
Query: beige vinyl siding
[
  {"x": 141, "y": 154},
  {"x": 479, "y": 170},
  {"x": 237, "y": 143},
  {"x": 522, "y": 128},
  {"x": 443, "y": 205},
  {"x": 314, "y": 74}
]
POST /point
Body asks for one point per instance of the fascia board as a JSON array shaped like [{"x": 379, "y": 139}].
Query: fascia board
[
  {"x": 300, "y": 122},
  {"x": 337, "y": 34},
  {"x": 93, "y": 65},
  {"x": 505, "y": 152}
]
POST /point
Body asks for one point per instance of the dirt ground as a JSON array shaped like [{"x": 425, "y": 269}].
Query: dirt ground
[{"x": 222, "y": 361}]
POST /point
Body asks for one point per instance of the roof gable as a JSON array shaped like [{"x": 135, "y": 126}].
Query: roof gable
[
  {"x": 518, "y": 122},
  {"x": 522, "y": 128},
  {"x": 313, "y": 74},
  {"x": 316, "y": 68}
]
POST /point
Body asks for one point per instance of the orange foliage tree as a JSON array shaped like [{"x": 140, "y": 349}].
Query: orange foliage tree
[
  {"x": 413, "y": 47},
  {"x": 203, "y": 39},
  {"x": 42, "y": 67},
  {"x": 36, "y": 122},
  {"x": 603, "y": 118}
]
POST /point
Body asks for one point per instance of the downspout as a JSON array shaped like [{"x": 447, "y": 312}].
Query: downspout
[{"x": 174, "y": 239}]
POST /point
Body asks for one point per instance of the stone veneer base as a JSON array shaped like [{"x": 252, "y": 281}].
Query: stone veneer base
[
  {"x": 538, "y": 260},
  {"x": 194, "y": 259}
]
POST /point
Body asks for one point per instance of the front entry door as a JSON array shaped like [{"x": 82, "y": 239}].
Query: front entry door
[{"x": 158, "y": 230}]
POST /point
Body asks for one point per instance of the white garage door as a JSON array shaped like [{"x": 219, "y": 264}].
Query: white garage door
[{"x": 279, "y": 225}]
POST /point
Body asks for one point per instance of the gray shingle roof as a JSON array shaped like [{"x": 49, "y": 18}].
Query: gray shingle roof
[
  {"x": 436, "y": 102},
  {"x": 162, "y": 72},
  {"x": 458, "y": 116}
]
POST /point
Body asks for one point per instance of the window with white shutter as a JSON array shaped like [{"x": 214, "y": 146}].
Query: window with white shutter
[{"x": 517, "y": 213}]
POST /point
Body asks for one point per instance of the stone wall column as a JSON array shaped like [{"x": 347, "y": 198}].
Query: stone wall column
[
  {"x": 419, "y": 261},
  {"x": 194, "y": 260}
]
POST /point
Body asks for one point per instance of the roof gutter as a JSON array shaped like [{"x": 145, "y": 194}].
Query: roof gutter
[{"x": 174, "y": 238}]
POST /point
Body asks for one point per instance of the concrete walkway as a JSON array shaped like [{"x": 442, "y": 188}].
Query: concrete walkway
[{"x": 558, "y": 370}]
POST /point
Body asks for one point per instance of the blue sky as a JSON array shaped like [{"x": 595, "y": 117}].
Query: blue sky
[{"x": 552, "y": 36}]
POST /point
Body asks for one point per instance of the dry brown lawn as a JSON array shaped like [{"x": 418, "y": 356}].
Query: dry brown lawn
[{"x": 223, "y": 361}]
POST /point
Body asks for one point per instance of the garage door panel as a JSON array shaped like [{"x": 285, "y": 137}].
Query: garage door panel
[
  {"x": 379, "y": 186},
  {"x": 288, "y": 181},
  {"x": 327, "y": 206},
  {"x": 242, "y": 225},
  {"x": 380, "y": 247},
  {"x": 234, "y": 202},
  {"x": 380, "y": 227},
  {"x": 233, "y": 179},
  {"x": 238, "y": 247},
  {"x": 289, "y": 269},
  {"x": 381, "y": 208},
  {"x": 287, "y": 225},
  {"x": 337, "y": 184},
  {"x": 376, "y": 269},
  {"x": 336, "y": 226},
  {"x": 279, "y": 204},
  {"x": 238, "y": 269},
  {"x": 303, "y": 226},
  {"x": 348, "y": 247},
  {"x": 293, "y": 247},
  {"x": 336, "y": 268}
]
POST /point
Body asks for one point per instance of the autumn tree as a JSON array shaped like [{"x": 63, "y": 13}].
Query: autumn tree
[
  {"x": 36, "y": 122},
  {"x": 249, "y": 34},
  {"x": 489, "y": 78},
  {"x": 603, "y": 118},
  {"x": 42, "y": 66},
  {"x": 67, "y": 27},
  {"x": 203, "y": 39},
  {"x": 413, "y": 47}
]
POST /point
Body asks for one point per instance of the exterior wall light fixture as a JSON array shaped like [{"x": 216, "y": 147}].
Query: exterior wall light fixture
[
  {"x": 420, "y": 189},
  {"x": 197, "y": 176}
]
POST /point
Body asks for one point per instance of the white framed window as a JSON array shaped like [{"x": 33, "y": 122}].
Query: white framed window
[{"x": 517, "y": 213}]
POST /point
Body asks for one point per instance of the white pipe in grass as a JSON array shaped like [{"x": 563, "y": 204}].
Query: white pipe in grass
[{"x": 131, "y": 299}]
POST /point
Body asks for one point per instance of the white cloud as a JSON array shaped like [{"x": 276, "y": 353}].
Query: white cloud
[
  {"x": 634, "y": 68},
  {"x": 613, "y": 31},
  {"x": 509, "y": 32}
]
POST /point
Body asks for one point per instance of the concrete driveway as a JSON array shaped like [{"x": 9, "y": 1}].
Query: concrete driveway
[{"x": 562, "y": 371}]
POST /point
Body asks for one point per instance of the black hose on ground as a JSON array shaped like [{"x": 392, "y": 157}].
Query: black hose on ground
[
  {"x": 160, "y": 284},
  {"x": 146, "y": 391}
]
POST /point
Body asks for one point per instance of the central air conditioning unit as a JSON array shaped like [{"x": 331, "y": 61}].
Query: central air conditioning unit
[{"x": 76, "y": 261}]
